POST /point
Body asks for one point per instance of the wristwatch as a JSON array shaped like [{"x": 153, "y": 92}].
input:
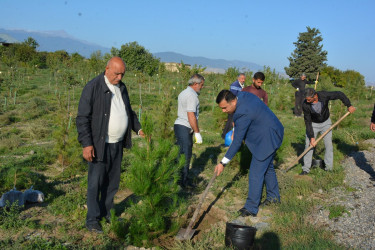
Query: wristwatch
[{"x": 224, "y": 164}]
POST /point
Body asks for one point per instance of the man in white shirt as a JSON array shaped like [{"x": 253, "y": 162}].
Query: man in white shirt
[
  {"x": 186, "y": 124},
  {"x": 104, "y": 123}
]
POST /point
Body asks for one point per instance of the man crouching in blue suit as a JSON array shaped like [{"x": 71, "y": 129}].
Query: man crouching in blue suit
[{"x": 263, "y": 134}]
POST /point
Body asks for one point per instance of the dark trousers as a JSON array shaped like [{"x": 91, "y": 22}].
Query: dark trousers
[
  {"x": 298, "y": 103},
  {"x": 261, "y": 172},
  {"x": 184, "y": 137},
  {"x": 103, "y": 182}
]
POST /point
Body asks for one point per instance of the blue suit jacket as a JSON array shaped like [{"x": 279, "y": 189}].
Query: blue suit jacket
[
  {"x": 235, "y": 87},
  {"x": 255, "y": 123}
]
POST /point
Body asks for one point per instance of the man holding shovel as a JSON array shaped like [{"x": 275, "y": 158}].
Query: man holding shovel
[
  {"x": 317, "y": 120},
  {"x": 263, "y": 134}
]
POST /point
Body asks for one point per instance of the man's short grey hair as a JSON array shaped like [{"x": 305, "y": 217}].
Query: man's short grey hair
[
  {"x": 310, "y": 92},
  {"x": 196, "y": 78},
  {"x": 303, "y": 74},
  {"x": 241, "y": 74}
]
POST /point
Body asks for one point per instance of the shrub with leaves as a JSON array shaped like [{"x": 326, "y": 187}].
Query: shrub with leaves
[{"x": 152, "y": 176}]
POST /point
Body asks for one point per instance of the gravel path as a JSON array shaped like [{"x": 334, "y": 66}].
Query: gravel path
[{"x": 356, "y": 227}]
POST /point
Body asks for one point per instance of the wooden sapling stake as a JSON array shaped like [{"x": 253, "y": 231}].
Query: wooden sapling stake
[{"x": 316, "y": 81}]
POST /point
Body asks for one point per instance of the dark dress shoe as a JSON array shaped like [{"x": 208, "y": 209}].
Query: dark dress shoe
[
  {"x": 268, "y": 203},
  {"x": 244, "y": 213},
  {"x": 94, "y": 227},
  {"x": 303, "y": 173}
]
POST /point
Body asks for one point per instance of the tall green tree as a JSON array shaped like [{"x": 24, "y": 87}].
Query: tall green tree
[
  {"x": 308, "y": 56},
  {"x": 31, "y": 42},
  {"x": 231, "y": 75},
  {"x": 137, "y": 58}
]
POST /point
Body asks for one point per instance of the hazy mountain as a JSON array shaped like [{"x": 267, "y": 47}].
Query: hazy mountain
[
  {"x": 213, "y": 65},
  {"x": 60, "y": 40},
  {"x": 57, "y": 40}
]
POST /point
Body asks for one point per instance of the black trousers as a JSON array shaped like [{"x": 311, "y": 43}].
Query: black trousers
[
  {"x": 103, "y": 182},
  {"x": 298, "y": 103}
]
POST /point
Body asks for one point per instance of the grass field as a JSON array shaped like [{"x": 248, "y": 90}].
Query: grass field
[{"x": 39, "y": 147}]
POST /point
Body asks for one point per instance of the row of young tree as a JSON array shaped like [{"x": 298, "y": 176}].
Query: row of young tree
[{"x": 308, "y": 57}]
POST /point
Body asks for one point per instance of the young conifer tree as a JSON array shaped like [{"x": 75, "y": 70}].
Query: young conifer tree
[{"x": 152, "y": 176}]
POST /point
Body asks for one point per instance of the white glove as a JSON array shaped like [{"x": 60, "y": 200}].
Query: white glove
[{"x": 198, "y": 138}]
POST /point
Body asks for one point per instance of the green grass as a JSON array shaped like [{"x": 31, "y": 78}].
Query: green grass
[
  {"x": 336, "y": 211},
  {"x": 37, "y": 122}
]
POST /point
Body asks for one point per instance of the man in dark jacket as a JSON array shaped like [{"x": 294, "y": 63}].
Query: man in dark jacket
[
  {"x": 316, "y": 114},
  {"x": 239, "y": 84},
  {"x": 299, "y": 85},
  {"x": 104, "y": 123}
]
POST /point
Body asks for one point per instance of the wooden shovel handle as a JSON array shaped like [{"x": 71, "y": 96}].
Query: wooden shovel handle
[
  {"x": 188, "y": 229},
  {"x": 321, "y": 137}
]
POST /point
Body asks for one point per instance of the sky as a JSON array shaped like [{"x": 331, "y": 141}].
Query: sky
[{"x": 262, "y": 32}]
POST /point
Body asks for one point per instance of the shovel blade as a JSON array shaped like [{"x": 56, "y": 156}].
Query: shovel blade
[{"x": 181, "y": 235}]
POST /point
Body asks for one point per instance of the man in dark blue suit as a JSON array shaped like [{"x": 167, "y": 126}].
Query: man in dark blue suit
[{"x": 263, "y": 134}]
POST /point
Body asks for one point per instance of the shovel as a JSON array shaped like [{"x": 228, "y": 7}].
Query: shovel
[
  {"x": 187, "y": 233},
  {"x": 321, "y": 137}
]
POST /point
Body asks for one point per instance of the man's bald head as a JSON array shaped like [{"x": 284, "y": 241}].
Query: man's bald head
[{"x": 115, "y": 70}]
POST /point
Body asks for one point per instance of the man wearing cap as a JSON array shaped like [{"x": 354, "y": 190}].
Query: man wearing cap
[
  {"x": 186, "y": 125},
  {"x": 299, "y": 85},
  {"x": 316, "y": 114}
]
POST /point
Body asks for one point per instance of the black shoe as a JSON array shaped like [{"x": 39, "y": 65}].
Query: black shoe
[
  {"x": 304, "y": 173},
  {"x": 107, "y": 219},
  {"x": 190, "y": 184},
  {"x": 94, "y": 227},
  {"x": 244, "y": 213},
  {"x": 268, "y": 203}
]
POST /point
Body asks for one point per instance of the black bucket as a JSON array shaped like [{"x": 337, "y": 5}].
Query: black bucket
[{"x": 239, "y": 236}]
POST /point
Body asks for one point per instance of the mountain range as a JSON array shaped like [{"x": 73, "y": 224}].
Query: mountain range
[
  {"x": 57, "y": 40},
  {"x": 60, "y": 40}
]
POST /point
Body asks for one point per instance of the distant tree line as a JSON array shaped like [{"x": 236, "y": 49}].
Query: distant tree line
[{"x": 25, "y": 54}]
